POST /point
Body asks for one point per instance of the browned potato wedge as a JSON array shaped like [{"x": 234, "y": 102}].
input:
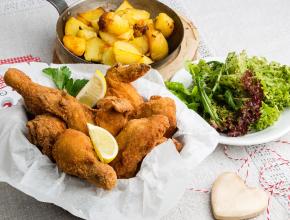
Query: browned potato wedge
[
  {"x": 126, "y": 53},
  {"x": 108, "y": 57},
  {"x": 74, "y": 44},
  {"x": 92, "y": 15},
  {"x": 164, "y": 24},
  {"x": 158, "y": 45},
  {"x": 94, "y": 49},
  {"x": 124, "y": 6},
  {"x": 112, "y": 23},
  {"x": 73, "y": 25},
  {"x": 141, "y": 43},
  {"x": 132, "y": 15},
  {"x": 142, "y": 26},
  {"x": 127, "y": 35},
  {"x": 108, "y": 38},
  {"x": 86, "y": 34},
  {"x": 83, "y": 20},
  {"x": 145, "y": 60}
]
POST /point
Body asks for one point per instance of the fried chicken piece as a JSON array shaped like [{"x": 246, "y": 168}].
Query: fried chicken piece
[
  {"x": 40, "y": 100},
  {"x": 178, "y": 144},
  {"x": 43, "y": 132},
  {"x": 135, "y": 141},
  {"x": 74, "y": 155},
  {"x": 118, "y": 80},
  {"x": 112, "y": 113},
  {"x": 158, "y": 105}
]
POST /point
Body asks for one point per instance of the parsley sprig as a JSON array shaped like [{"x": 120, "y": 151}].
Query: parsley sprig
[{"x": 62, "y": 79}]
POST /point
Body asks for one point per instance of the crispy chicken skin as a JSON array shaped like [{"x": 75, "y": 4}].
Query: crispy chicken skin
[
  {"x": 118, "y": 80},
  {"x": 112, "y": 113},
  {"x": 40, "y": 99},
  {"x": 43, "y": 132},
  {"x": 135, "y": 141},
  {"x": 159, "y": 105},
  {"x": 74, "y": 155}
]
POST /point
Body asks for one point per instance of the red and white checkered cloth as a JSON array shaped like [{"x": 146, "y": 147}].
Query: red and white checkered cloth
[
  {"x": 23, "y": 59},
  {"x": 7, "y": 96}
]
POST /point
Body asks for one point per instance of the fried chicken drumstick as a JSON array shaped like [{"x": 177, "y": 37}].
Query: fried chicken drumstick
[
  {"x": 40, "y": 100},
  {"x": 135, "y": 141},
  {"x": 74, "y": 155},
  {"x": 43, "y": 132}
]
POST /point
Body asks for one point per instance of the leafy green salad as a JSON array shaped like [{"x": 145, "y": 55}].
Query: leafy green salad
[{"x": 243, "y": 94}]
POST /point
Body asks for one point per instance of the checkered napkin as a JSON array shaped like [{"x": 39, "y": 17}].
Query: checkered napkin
[{"x": 8, "y": 97}]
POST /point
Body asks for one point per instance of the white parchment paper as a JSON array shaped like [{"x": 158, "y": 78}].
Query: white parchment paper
[{"x": 156, "y": 189}]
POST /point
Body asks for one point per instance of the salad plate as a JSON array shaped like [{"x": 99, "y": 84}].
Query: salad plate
[{"x": 271, "y": 133}]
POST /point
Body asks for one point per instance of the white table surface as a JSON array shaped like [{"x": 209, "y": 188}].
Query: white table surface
[{"x": 261, "y": 27}]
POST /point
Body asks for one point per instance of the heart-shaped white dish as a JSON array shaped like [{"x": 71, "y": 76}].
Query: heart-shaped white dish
[{"x": 231, "y": 199}]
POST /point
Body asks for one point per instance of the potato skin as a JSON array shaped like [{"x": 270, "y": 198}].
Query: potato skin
[
  {"x": 164, "y": 24},
  {"x": 76, "y": 45},
  {"x": 112, "y": 23},
  {"x": 158, "y": 45}
]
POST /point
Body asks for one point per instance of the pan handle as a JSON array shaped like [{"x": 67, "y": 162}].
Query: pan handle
[{"x": 60, "y": 5}]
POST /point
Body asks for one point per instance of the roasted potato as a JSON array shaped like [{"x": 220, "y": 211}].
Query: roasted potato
[
  {"x": 164, "y": 24},
  {"x": 142, "y": 26},
  {"x": 94, "y": 49},
  {"x": 126, "y": 53},
  {"x": 124, "y": 6},
  {"x": 108, "y": 57},
  {"x": 158, "y": 45},
  {"x": 127, "y": 35},
  {"x": 92, "y": 15},
  {"x": 95, "y": 25},
  {"x": 73, "y": 25},
  {"x": 141, "y": 43},
  {"x": 81, "y": 19},
  {"x": 86, "y": 34},
  {"x": 108, "y": 38},
  {"x": 133, "y": 15},
  {"x": 112, "y": 23},
  {"x": 74, "y": 44},
  {"x": 145, "y": 60}
]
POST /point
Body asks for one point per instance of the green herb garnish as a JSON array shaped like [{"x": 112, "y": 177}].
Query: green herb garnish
[{"x": 62, "y": 79}]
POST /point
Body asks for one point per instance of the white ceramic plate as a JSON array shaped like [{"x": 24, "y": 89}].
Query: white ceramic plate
[{"x": 280, "y": 128}]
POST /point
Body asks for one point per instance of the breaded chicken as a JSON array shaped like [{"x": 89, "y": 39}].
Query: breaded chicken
[
  {"x": 118, "y": 80},
  {"x": 135, "y": 141},
  {"x": 74, "y": 155},
  {"x": 40, "y": 100},
  {"x": 158, "y": 105},
  {"x": 112, "y": 113},
  {"x": 43, "y": 132}
]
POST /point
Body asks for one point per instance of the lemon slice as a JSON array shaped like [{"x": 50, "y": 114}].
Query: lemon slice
[
  {"x": 94, "y": 90},
  {"x": 104, "y": 143}
]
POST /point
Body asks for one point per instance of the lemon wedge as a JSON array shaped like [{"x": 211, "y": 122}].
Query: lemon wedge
[
  {"x": 94, "y": 90},
  {"x": 104, "y": 143}
]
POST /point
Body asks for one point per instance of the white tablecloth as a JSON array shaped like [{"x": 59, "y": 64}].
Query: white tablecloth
[{"x": 261, "y": 27}]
